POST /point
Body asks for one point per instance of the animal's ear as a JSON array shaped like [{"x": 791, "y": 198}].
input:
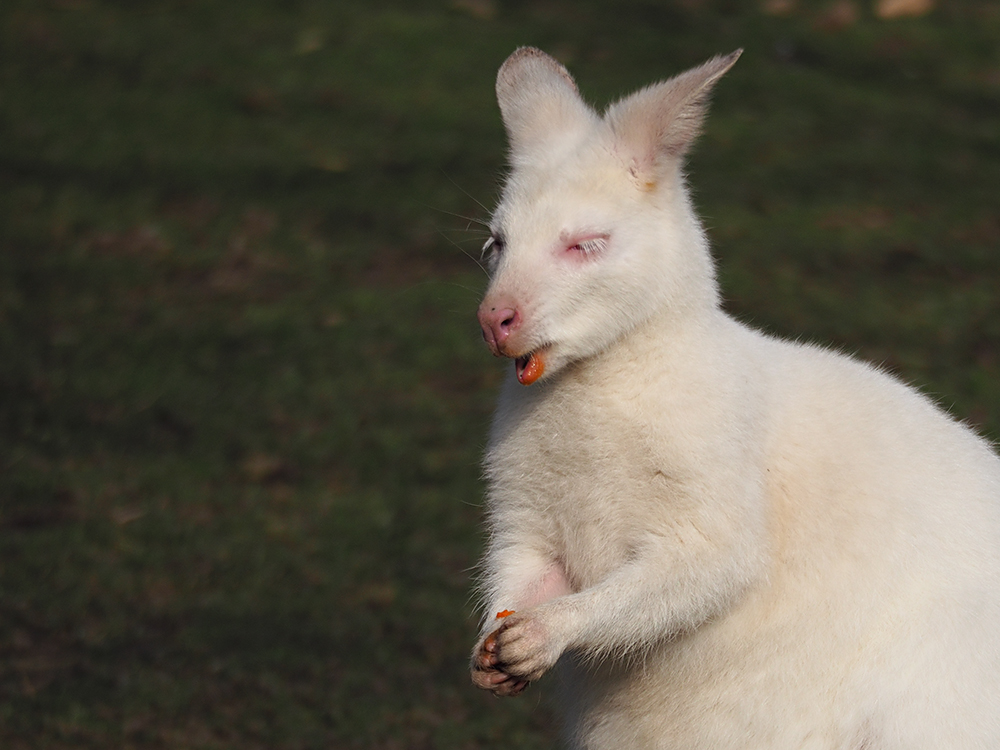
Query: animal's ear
[
  {"x": 660, "y": 122},
  {"x": 539, "y": 102}
]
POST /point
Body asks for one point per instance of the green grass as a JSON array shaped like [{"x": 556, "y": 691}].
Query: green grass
[{"x": 242, "y": 391}]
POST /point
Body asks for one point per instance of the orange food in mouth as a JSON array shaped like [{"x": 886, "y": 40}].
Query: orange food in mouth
[
  {"x": 529, "y": 368},
  {"x": 505, "y": 613}
]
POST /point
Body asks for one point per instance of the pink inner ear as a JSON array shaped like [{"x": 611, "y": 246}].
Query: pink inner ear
[{"x": 553, "y": 583}]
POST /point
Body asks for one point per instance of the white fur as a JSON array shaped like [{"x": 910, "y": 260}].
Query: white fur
[{"x": 738, "y": 542}]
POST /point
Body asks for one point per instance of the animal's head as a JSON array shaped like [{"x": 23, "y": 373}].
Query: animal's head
[{"x": 594, "y": 233}]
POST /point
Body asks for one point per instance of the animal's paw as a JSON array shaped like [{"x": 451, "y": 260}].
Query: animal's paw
[
  {"x": 518, "y": 652},
  {"x": 487, "y": 673}
]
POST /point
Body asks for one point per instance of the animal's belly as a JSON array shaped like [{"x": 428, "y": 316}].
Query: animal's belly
[{"x": 710, "y": 689}]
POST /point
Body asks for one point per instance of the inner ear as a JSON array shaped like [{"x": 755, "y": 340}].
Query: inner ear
[
  {"x": 659, "y": 124},
  {"x": 539, "y": 102}
]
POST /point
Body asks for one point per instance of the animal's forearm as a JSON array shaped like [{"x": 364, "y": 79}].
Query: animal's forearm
[
  {"x": 520, "y": 578},
  {"x": 665, "y": 591}
]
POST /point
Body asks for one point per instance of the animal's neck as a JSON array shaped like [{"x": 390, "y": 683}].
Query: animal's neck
[
  {"x": 688, "y": 268},
  {"x": 672, "y": 342}
]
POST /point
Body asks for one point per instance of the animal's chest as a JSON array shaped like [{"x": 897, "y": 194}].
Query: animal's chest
[{"x": 580, "y": 476}]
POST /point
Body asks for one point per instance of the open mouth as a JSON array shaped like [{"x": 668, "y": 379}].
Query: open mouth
[{"x": 530, "y": 367}]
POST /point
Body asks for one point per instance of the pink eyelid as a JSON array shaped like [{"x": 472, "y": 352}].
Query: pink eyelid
[{"x": 586, "y": 244}]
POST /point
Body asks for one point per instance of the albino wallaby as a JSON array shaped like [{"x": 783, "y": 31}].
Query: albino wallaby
[{"x": 739, "y": 542}]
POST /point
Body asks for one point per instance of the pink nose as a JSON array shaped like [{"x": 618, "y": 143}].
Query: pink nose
[{"x": 497, "y": 326}]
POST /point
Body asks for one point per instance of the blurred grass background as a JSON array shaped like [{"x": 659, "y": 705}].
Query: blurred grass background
[{"x": 242, "y": 390}]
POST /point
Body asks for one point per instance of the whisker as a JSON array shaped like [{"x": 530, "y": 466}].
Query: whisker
[
  {"x": 467, "y": 193},
  {"x": 470, "y": 219},
  {"x": 464, "y": 252}
]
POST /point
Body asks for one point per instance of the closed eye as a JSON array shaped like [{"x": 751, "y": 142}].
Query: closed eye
[{"x": 590, "y": 246}]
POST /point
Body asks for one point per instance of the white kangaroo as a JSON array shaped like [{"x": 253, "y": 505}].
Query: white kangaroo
[{"x": 737, "y": 541}]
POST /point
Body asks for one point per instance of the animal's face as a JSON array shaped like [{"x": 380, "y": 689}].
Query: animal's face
[
  {"x": 563, "y": 259},
  {"x": 587, "y": 241}
]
